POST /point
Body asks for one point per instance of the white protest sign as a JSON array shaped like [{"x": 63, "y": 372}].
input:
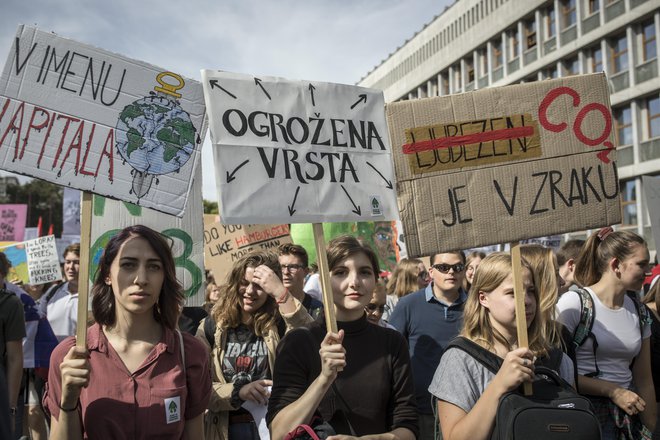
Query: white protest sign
[
  {"x": 42, "y": 260},
  {"x": 298, "y": 151},
  {"x": 82, "y": 117},
  {"x": 187, "y": 235},
  {"x": 652, "y": 193},
  {"x": 71, "y": 212}
]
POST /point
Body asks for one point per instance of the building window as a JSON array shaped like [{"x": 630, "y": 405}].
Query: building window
[
  {"x": 628, "y": 203},
  {"x": 514, "y": 42},
  {"x": 550, "y": 23},
  {"x": 457, "y": 78},
  {"x": 496, "y": 46},
  {"x": 550, "y": 72},
  {"x": 593, "y": 6},
  {"x": 596, "y": 57},
  {"x": 568, "y": 12},
  {"x": 530, "y": 34},
  {"x": 649, "y": 47},
  {"x": 469, "y": 70},
  {"x": 571, "y": 66},
  {"x": 623, "y": 125},
  {"x": 619, "y": 54},
  {"x": 653, "y": 115},
  {"x": 483, "y": 62},
  {"x": 444, "y": 84}
]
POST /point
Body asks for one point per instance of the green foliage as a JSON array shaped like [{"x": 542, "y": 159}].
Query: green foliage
[{"x": 210, "y": 207}]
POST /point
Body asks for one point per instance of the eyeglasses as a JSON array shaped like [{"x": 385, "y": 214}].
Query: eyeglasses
[
  {"x": 371, "y": 307},
  {"x": 292, "y": 268},
  {"x": 444, "y": 268}
]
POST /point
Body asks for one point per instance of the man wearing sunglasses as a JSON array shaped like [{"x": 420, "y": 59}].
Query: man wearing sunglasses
[
  {"x": 293, "y": 260},
  {"x": 429, "y": 319}
]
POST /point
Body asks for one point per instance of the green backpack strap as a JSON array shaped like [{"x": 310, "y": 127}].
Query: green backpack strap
[{"x": 587, "y": 317}]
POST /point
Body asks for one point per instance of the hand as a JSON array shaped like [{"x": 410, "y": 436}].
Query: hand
[
  {"x": 256, "y": 391},
  {"x": 75, "y": 375},
  {"x": 628, "y": 401},
  {"x": 518, "y": 367},
  {"x": 269, "y": 281},
  {"x": 333, "y": 355}
]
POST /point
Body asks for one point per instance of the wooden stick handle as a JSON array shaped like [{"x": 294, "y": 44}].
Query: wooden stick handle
[
  {"x": 324, "y": 273},
  {"x": 519, "y": 295},
  {"x": 83, "y": 273}
]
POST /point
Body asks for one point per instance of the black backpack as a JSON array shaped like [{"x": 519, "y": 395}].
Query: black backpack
[{"x": 554, "y": 410}]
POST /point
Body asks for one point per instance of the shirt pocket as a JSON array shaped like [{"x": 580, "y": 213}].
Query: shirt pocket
[{"x": 167, "y": 410}]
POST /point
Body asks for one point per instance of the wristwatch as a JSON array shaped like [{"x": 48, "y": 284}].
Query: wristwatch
[{"x": 12, "y": 411}]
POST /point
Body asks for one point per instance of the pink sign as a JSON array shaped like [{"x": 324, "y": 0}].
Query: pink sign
[{"x": 12, "y": 222}]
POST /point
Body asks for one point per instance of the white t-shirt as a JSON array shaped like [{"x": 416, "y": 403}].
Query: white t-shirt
[
  {"x": 61, "y": 311},
  {"x": 617, "y": 333},
  {"x": 313, "y": 287}
]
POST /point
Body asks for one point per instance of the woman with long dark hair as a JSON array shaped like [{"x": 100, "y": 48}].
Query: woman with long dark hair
[{"x": 139, "y": 377}]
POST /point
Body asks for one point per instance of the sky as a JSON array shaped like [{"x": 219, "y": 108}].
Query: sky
[{"x": 322, "y": 40}]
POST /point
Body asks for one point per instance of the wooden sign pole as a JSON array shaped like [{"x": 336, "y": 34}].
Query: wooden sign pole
[
  {"x": 83, "y": 272},
  {"x": 519, "y": 295},
  {"x": 324, "y": 273}
]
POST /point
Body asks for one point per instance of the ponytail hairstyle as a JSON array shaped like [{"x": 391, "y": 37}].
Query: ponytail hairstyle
[
  {"x": 599, "y": 249},
  {"x": 493, "y": 270}
]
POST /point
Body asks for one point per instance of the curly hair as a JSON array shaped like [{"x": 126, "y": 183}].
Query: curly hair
[{"x": 228, "y": 311}]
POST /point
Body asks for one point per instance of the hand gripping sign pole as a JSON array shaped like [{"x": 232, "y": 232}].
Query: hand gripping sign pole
[
  {"x": 83, "y": 273},
  {"x": 519, "y": 295},
  {"x": 324, "y": 273}
]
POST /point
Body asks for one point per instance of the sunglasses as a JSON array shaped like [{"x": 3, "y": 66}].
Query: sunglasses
[
  {"x": 444, "y": 268},
  {"x": 371, "y": 307}
]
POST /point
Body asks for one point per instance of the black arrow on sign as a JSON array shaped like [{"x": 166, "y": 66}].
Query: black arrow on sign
[
  {"x": 291, "y": 210},
  {"x": 311, "y": 91},
  {"x": 257, "y": 81},
  {"x": 214, "y": 83},
  {"x": 363, "y": 98},
  {"x": 230, "y": 176},
  {"x": 387, "y": 182},
  {"x": 357, "y": 209}
]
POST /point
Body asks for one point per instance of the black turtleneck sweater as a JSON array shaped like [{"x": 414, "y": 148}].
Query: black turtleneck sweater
[{"x": 376, "y": 382}]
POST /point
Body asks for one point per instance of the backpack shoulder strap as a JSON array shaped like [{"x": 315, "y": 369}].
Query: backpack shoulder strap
[
  {"x": 209, "y": 330},
  {"x": 552, "y": 360},
  {"x": 52, "y": 291},
  {"x": 489, "y": 360},
  {"x": 587, "y": 316},
  {"x": 642, "y": 313},
  {"x": 183, "y": 350}
]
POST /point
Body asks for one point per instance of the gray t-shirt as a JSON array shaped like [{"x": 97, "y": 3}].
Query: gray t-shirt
[{"x": 460, "y": 379}]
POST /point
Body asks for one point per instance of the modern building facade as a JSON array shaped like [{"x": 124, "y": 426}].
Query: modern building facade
[{"x": 489, "y": 43}]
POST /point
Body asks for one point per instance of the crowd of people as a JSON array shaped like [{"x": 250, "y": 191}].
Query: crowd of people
[{"x": 259, "y": 349}]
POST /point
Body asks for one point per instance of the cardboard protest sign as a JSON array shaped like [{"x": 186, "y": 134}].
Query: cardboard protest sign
[
  {"x": 185, "y": 233},
  {"x": 12, "y": 222},
  {"x": 34, "y": 261},
  {"x": 504, "y": 164},
  {"x": 82, "y": 117},
  {"x": 652, "y": 193},
  {"x": 296, "y": 151},
  {"x": 224, "y": 244}
]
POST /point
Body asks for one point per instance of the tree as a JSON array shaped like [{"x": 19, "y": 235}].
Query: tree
[
  {"x": 210, "y": 207},
  {"x": 44, "y": 199}
]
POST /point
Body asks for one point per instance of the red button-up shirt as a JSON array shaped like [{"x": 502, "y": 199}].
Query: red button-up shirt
[{"x": 154, "y": 401}]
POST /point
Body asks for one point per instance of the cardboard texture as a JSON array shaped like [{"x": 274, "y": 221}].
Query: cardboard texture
[
  {"x": 110, "y": 216},
  {"x": 652, "y": 194},
  {"x": 225, "y": 244},
  {"x": 296, "y": 151},
  {"x": 551, "y": 173},
  {"x": 82, "y": 117}
]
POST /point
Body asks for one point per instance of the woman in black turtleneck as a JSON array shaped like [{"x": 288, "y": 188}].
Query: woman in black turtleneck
[{"x": 369, "y": 364}]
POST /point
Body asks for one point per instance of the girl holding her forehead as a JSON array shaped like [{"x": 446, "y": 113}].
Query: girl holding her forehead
[
  {"x": 369, "y": 365},
  {"x": 139, "y": 377}
]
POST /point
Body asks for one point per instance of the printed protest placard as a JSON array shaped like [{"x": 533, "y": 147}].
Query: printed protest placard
[
  {"x": 71, "y": 212},
  {"x": 185, "y": 233},
  {"x": 298, "y": 151},
  {"x": 33, "y": 261},
  {"x": 12, "y": 222},
  {"x": 652, "y": 194},
  {"x": 224, "y": 244},
  {"x": 82, "y": 117},
  {"x": 504, "y": 164}
]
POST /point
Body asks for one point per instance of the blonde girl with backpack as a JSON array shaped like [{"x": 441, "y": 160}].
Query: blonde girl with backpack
[
  {"x": 468, "y": 392},
  {"x": 614, "y": 360}
]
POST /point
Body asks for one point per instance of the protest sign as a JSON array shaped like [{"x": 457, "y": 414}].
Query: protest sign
[
  {"x": 652, "y": 193},
  {"x": 224, "y": 244},
  {"x": 71, "y": 212},
  {"x": 33, "y": 261},
  {"x": 111, "y": 216},
  {"x": 12, "y": 222},
  {"x": 82, "y": 117},
  {"x": 504, "y": 164},
  {"x": 296, "y": 151}
]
